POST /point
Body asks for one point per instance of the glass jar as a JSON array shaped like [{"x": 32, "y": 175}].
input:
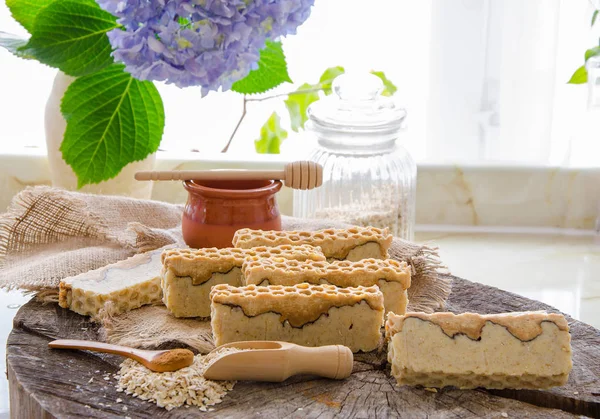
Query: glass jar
[
  {"x": 593, "y": 70},
  {"x": 368, "y": 179}
]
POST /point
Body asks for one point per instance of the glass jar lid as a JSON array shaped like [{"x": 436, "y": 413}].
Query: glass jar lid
[{"x": 357, "y": 106}]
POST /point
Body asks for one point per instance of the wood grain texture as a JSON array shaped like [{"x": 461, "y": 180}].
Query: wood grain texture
[{"x": 47, "y": 383}]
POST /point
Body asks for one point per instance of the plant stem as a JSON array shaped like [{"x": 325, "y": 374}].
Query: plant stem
[
  {"x": 237, "y": 126},
  {"x": 318, "y": 88}
]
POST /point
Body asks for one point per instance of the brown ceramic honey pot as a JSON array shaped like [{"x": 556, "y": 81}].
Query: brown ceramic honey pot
[
  {"x": 220, "y": 202},
  {"x": 215, "y": 210}
]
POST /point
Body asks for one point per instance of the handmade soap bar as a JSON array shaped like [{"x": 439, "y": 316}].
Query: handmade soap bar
[
  {"x": 353, "y": 244},
  {"x": 511, "y": 350},
  {"x": 306, "y": 314},
  {"x": 189, "y": 274},
  {"x": 392, "y": 277},
  {"x": 127, "y": 284}
]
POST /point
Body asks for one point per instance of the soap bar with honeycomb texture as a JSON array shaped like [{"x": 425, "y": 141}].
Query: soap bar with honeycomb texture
[
  {"x": 125, "y": 285},
  {"x": 355, "y": 243},
  {"x": 392, "y": 277},
  {"x": 188, "y": 275},
  {"x": 305, "y": 314},
  {"x": 495, "y": 351}
]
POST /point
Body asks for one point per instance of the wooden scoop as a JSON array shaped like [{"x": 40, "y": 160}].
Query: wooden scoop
[
  {"x": 277, "y": 361},
  {"x": 158, "y": 361},
  {"x": 296, "y": 175}
]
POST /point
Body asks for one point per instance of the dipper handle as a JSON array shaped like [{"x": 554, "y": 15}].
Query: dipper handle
[{"x": 296, "y": 175}]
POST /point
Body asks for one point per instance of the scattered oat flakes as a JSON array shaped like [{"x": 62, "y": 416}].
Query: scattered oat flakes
[
  {"x": 504, "y": 414},
  {"x": 88, "y": 406},
  {"x": 430, "y": 389},
  {"x": 173, "y": 389},
  {"x": 119, "y": 400},
  {"x": 91, "y": 380},
  {"x": 576, "y": 393},
  {"x": 124, "y": 408}
]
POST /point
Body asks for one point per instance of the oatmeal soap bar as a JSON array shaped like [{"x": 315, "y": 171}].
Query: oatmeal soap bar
[
  {"x": 189, "y": 274},
  {"x": 352, "y": 244},
  {"x": 305, "y": 314},
  {"x": 392, "y": 277},
  {"x": 125, "y": 285},
  {"x": 511, "y": 350}
]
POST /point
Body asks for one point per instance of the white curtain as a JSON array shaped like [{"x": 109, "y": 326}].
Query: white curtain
[{"x": 498, "y": 78}]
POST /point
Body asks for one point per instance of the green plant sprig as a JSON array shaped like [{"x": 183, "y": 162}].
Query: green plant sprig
[
  {"x": 580, "y": 76},
  {"x": 272, "y": 133}
]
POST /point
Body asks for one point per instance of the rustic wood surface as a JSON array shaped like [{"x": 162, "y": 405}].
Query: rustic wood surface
[{"x": 50, "y": 383}]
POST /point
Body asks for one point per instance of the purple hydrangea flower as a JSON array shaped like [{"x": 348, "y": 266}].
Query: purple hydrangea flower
[{"x": 207, "y": 43}]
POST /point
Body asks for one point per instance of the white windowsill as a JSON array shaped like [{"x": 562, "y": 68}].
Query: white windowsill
[{"x": 469, "y": 194}]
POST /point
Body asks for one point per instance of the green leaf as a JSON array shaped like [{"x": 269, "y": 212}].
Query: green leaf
[
  {"x": 183, "y": 21},
  {"x": 25, "y": 11},
  {"x": 328, "y": 76},
  {"x": 12, "y": 43},
  {"x": 271, "y": 71},
  {"x": 592, "y": 52},
  {"x": 579, "y": 76},
  {"x": 388, "y": 87},
  {"x": 112, "y": 120},
  {"x": 297, "y": 104},
  {"x": 594, "y": 16},
  {"x": 271, "y": 136},
  {"x": 71, "y": 35}
]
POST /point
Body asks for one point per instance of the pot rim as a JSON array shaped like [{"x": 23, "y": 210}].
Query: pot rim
[{"x": 206, "y": 191}]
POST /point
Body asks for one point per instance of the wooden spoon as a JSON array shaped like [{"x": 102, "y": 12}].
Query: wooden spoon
[
  {"x": 296, "y": 175},
  {"x": 158, "y": 361},
  {"x": 277, "y": 361}
]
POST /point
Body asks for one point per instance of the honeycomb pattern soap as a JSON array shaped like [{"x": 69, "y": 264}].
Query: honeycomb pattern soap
[
  {"x": 305, "y": 314},
  {"x": 352, "y": 244},
  {"x": 510, "y": 350},
  {"x": 392, "y": 277},
  {"x": 126, "y": 285},
  {"x": 189, "y": 274}
]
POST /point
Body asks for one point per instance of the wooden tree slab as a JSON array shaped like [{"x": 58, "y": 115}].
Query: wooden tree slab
[{"x": 48, "y": 383}]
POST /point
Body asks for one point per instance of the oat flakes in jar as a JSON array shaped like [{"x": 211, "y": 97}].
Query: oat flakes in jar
[{"x": 369, "y": 179}]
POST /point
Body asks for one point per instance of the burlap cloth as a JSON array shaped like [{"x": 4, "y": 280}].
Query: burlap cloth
[{"x": 49, "y": 234}]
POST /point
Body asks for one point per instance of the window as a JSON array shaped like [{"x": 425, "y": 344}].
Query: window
[
  {"x": 498, "y": 86},
  {"x": 482, "y": 80}
]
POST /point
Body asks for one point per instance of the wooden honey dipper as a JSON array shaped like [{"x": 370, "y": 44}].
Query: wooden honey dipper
[{"x": 296, "y": 175}]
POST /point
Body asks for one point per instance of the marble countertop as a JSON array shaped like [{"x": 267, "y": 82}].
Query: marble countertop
[
  {"x": 466, "y": 193},
  {"x": 561, "y": 270}
]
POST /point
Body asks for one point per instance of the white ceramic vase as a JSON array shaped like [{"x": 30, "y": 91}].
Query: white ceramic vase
[{"x": 63, "y": 176}]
